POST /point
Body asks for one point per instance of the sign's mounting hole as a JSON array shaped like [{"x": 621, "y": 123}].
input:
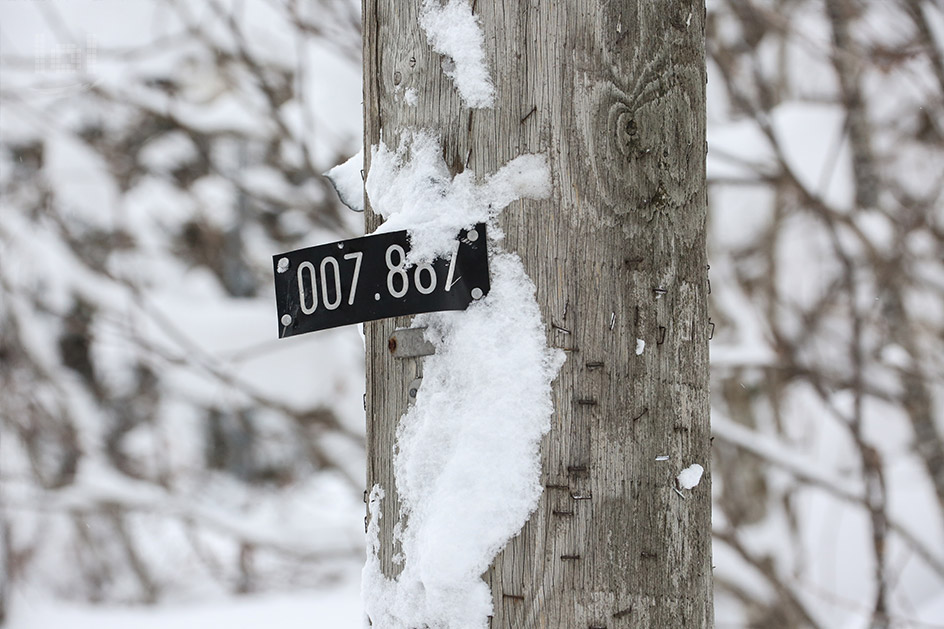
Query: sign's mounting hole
[
  {"x": 286, "y": 318},
  {"x": 476, "y": 293},
  {"x": 283, "y": 265}
]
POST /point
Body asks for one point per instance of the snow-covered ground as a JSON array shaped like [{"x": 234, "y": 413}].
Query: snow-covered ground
[{"x": 336, "y": 606}]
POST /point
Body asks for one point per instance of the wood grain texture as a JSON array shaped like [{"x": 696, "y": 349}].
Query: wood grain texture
[{"x": 613, "y": 93}]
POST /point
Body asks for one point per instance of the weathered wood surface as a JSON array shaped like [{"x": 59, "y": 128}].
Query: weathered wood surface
[{"x": 613, "y": 93}]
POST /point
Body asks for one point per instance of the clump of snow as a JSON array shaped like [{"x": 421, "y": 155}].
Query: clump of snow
[
  {"x": 412, "y": 189},
  {"x": 467, "y": 460},
  {"x": 640, "y": 347},
  {"x": 347, "y": 180},
  {"x": 454, "y": 31},
  {"x": 410, "y": 97},
  {"x": 690, "y": 476}
]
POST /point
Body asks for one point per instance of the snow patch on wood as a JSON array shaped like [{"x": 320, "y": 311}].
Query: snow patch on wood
[
  {"x": 454, "y": 31},
  {"x": 467, "y": 458},
  {"x": 411, "y": 187},
  {"x": 690, "y": 476}
]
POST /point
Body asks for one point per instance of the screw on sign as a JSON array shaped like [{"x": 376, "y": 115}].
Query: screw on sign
[{"x": 367, "y": 278}]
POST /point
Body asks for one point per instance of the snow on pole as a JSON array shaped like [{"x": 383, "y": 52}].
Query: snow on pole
[
  {"x": 467, "y": 460},
  {"x": 454, "y": 31},
  {"x": 690, "y": 476},
  {"x": 347, "y": 179}
]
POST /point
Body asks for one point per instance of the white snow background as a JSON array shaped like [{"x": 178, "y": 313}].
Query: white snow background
[{"x": 823, "y": 549}]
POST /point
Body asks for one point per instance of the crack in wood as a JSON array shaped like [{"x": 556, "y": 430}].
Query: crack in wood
[{"x": 623, "y": 613}]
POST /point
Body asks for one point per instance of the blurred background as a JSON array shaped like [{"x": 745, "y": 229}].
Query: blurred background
[{"x": 164, "y": 459}]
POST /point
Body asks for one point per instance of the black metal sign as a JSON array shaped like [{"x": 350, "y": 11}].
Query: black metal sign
[{"x": 366, "y": 278}]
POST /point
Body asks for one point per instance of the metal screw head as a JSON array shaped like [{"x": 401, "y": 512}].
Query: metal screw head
[
  {"x": 413, "y": 390},
  {"x": 286, "y": 319},
  {"x": 283, "y": 265},
  {"x": 472, "y": 235},
  {"x": 477, "y": 293}
]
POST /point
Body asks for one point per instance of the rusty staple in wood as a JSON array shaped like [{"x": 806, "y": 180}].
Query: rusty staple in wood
[
  {"x": 529, "y": 114},
  {"x": 565, "y": 487},
  {"x": 560, "y": 329},
  {"x": 662, "y": 335},
  {"x": 587, "y": 402},
  {"x": 711, "y": 334},
  {"x": 561, "y": 513},
  {"x": 581, "y": 496},
  {"x": 516, "y": 597},
  {"x": 648, "y": 555},
  {"x": 570, "y": 557},
  {"x": 576, "y": 469},
  {"x": 644, "y": 411},
  {"x": 594, "y": 365}
]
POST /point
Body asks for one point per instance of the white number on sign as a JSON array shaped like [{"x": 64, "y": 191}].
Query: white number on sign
[
  {"x": 356, "y": 256},
  {"x": 310, "y": 286},
  {"x": 452, "y": 267},
  {"x": 397, "y": 270},
  {"x": 417, "y": 277},
  {"x": 398, "y": 278},
  {"x": 330, "y": 305},
  {"x": 301, "y": 287}
]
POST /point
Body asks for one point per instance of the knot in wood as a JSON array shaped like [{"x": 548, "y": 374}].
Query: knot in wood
[
  {"x": 640, "y": 131},
  {"x": 627, "y": 136}
]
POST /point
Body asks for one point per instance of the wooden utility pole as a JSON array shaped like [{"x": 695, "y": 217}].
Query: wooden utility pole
[{"x": 613, "y": 92}]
